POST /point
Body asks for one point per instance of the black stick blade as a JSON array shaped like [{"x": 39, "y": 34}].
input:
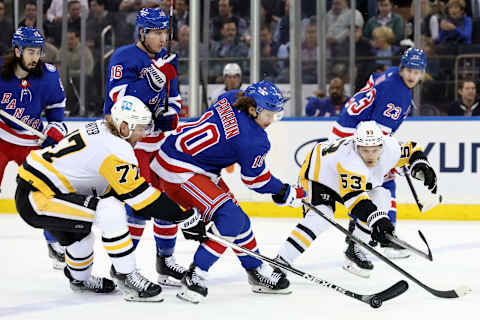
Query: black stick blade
[{"x": 397, "y": 289}]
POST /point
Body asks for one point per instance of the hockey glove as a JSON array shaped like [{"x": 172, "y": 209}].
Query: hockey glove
[
  {"x": 166, "y": 121},
  {"x": 421, "y": 170},
  {"x": 381, "y": 226},
  {"x": 290, "y": 196},
  {"x": 156, "y": 79},
  {"x": 55, "y": 131},
  {"x": 166, "y": 66},
  {"x": 193, "y": 228}
]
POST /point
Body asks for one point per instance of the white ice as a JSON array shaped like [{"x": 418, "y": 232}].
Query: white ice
[{"x": 31, "y": 289}]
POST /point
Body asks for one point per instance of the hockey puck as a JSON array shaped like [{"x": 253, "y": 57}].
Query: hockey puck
[{"x": 375, "y": 302}]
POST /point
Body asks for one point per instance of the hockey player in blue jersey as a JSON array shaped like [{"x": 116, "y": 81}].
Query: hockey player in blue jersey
[
  {"x": 146, "y": 70},
  {"x": 189, "y": 162},
  {"x": 27, "y": 88},
  {"x": 386, "y": 99}
]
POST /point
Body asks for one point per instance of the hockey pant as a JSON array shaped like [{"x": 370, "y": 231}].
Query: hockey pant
[
  {"x": 217, "y": 204},
  {"x": 164, "y": 232},
  {"x": 17, "y": 153},
  {"x": 312, "y": 225},
  {"x": 69, "y": 218}
]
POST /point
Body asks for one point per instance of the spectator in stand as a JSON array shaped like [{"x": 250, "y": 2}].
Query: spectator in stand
[
  {"x": 232, "y": 80},
  {"x": 430, "y": 21},
  {"x": 386, "y": 18},
  {"x": 229, "y": 46},
  {"x": 363, "y": 49},
  {"x": 382, "y": 43},
  {"x": 225, "y": 14},
  {"x": 7, "y": 30},
  {"x": 55, "y": 11},
  {"x": 338, "y": 27},
  {"x": 181, "y": 14},
  {"x": 468, "y": 103},
  {"x": 268, "y": 66},
  {"x": 330, "y": 106},
  {"x": 309, "y": 53},
  {"x": 29, "y": 15},
  {"x": 456, "y": 28},
  {"x": 73, "y": 69},
  {"x": 181, "y": 50},
  {"x": 97, "y": 20}
]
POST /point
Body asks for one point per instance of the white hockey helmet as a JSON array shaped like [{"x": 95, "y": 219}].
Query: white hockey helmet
[
  {"x": 132, "y": 111},
  {"x": 232, "y": 69},
  {"x": 368, "y": 134}
]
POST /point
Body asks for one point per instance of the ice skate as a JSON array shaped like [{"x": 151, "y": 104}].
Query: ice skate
[
  {"x": 169, "y": 272},
  {"x": 356, "y": 261},
  {"x": 194, "y": 285}
]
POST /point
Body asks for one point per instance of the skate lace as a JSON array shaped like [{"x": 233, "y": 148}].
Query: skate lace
[
  {"x": 359, "y": 254},
  {"x": 94, "y": 283},
  {"x": 270, "y": 280},
  {"x": 138, "y": 281},
  {"x": 197, "y": 279},
  {"x": 172, "y": 264}
]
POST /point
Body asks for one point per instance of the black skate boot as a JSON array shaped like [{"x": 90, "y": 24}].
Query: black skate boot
[
  {"x": 356, "y": 261},
  {"x": 276, "y": 269},
  {"x": 136, "y": 287},
  {"x": 265, "y": 280},
  {"x": 194, "y": 285},
  {"x": 93, "y": 284},
  {"x": 57, "y": 253},
  {"x": 169, "y": 272}
]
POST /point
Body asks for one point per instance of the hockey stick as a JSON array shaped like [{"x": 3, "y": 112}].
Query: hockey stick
[
  {"x": 169, "y": 49},
  {"x": 374, "y": 300},
  {"x": 406, "y": 245},
  {"x": 22, "y": 124},
  {"x": 455, "y": 293},
  {"x": 422, "y": 205}
]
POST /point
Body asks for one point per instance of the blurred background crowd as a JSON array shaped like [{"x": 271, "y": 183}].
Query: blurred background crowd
[{"x": 450, "y": 37}]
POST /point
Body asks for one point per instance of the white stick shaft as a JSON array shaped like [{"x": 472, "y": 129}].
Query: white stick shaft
[{"x": 22, "y": 124}]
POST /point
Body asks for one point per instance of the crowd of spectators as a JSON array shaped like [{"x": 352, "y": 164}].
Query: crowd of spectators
[{"x": 383, "y": 29}]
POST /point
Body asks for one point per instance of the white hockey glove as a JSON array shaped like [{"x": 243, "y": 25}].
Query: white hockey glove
[
  {"x": 421, "y": 170},
  {"x": 290, "y": 196},
  {"x": 156, "y": 78},
  {"x": 167, "y": 66}
]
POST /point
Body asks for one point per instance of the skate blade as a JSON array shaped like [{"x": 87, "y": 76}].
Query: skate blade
[
  {"x": 58, "y": 265},
  {"x": 391, "y": 253},
  {"x": 264, "y": 290},
  {"x": 353, "y": 269},
  {"x": 169, "y": 281},
  {"x": 134, "y": 298},
  {"x": 190, "y": 296},
  {"x": 87, "y": 291}
]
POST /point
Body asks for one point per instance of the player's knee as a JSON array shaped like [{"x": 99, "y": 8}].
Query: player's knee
[
  {"x": 230, "y": 220},
  {"x": 110, "y": 215},
  {"x": 314, "y": 222}
]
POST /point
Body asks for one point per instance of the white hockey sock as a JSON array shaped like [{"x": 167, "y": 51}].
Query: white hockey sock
[{"x": 79, "y": 258}]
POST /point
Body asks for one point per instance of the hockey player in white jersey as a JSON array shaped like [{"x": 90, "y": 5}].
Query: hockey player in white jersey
[
  {"x": 351, "y": 171},
  {"x": 83, "y": 181}
]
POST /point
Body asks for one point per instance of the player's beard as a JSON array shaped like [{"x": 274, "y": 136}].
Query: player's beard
[{"x": 25, "y": 67}]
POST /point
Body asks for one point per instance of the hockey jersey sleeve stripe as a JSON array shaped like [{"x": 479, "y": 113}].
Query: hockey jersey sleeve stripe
[
  {"x": 60, "y": 104},
  {"x": 18, "y": 133},
  {"x": 144, "y": 186},
  {"x": 318, "y": 158},
  {"x": 147, "y": 198},
  {"x": 341, "y": 134},
  {"x": 47, "y": 165},
  {"x": 258, "y": 181},
  {"x": 410, "y": 152}
]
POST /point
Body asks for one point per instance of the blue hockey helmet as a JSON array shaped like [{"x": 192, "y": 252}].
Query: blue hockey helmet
[
  {"x": 28, "y": 37},
  {"x": 266, "y": 95},
  {"x": 152, "y": 19},
  {"x": 414, "y": 58}
]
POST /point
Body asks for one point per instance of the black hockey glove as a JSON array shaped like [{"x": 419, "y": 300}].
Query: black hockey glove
[
  {"x": 421, "y": 170},
  {"x": 193, "y": 227},
  {"x": 380, "y": 226}
]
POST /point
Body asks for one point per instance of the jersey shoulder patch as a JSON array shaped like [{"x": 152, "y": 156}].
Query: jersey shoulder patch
[{"x": 50, "y": 67}]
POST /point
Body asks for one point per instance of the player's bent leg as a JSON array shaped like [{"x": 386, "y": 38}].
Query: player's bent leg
[
  {"x": 261, "y": 276},
  {"x": 111, "y": 220},
  {"x": 56, "y": 252},
  {"x": 356, "y": 261},
  {"x": 170, "y": 273},
  {"x": 79, "y": 261}
]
